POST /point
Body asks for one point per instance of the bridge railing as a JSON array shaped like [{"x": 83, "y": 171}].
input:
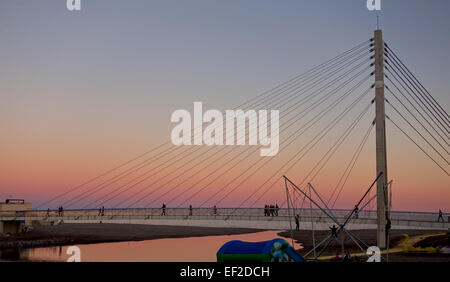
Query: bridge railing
[{"x": 281, "y": 212}]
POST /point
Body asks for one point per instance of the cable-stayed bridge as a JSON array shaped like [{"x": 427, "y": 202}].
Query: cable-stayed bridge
[{"x": 327, "y": 114}]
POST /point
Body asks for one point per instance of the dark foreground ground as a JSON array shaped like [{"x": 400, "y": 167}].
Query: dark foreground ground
[
  {"x": 70, "y": 234},
  {"x": 369, "y": 237}
]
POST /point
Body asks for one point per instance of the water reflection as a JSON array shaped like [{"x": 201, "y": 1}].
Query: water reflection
[{"x": 169, "y": 250}]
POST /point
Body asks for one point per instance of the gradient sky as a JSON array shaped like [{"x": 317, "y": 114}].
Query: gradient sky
[{"x": 81, "y": 92}]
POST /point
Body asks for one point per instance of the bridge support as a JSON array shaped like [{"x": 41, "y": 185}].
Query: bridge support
[
  {"x": 382, "y": 195},
  {"x": 10, "y": 227}
]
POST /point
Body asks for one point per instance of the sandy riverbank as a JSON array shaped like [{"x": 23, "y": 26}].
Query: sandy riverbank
[{"x": 86, "y": 233}]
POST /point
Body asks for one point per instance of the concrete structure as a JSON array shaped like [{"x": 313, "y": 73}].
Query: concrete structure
[
  {"x": 10, "y": 226},
  {"x": 380, "y": 128},
  {"x": 10, "y": 210},
  {"x": 15, "y": 206}
]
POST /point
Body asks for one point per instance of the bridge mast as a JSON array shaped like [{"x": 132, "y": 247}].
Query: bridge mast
[{"x": 382, "y": 196}]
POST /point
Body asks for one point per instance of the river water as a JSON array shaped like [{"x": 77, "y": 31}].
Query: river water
[{"x": 190, "y": 249}]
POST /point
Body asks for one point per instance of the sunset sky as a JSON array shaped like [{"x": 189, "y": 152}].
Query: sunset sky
[{"x": 83, "y": 92}]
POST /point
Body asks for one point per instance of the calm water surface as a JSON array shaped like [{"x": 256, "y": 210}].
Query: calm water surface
[{"x": 172, "y": 249}]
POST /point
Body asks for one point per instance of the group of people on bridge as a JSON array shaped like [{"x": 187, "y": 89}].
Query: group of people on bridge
[
  {"x": 271, "y": 210},
  {"x": 60, "y": 211},
  {"x": 101, "y": 211}
]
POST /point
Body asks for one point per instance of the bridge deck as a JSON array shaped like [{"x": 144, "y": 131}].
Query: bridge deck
[{"x": 229, "y": 218}]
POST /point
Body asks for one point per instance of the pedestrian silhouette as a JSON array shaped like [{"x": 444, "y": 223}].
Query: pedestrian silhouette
[
  {"x": 440, "y": 216},
  {"x": 333, "y": 231},
  {"x": 297, "y": 222}
]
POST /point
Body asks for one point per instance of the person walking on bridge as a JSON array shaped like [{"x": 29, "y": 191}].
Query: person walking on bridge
[
  {"x": 190, "y": 210},
  {"x": 60, "y": 211},
  {"x": 297, "y": 222},
  {"x": 333, "y": 231},
  {"x": 440, "y": 216},
  {"x": 356, "y": 211},
  {"x": 163, "y": 209},
  {"x": 388, "y": 230}
]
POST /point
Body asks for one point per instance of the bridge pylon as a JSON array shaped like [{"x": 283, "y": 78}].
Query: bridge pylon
[{"x": 380, "y": 127}]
